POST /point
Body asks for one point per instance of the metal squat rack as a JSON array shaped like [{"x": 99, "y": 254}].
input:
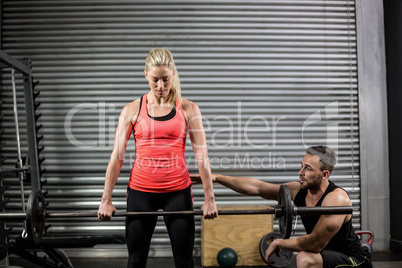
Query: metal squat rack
[{"x": 27, "y": 169}]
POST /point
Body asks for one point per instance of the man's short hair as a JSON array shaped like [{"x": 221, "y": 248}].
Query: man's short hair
[{"x": 325, "y": 154}]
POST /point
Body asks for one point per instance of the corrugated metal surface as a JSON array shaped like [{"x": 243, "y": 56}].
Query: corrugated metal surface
[{"x": 270, "y": 77}]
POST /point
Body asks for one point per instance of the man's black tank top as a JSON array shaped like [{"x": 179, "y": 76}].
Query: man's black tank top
[{"x": 345, "y": 240}]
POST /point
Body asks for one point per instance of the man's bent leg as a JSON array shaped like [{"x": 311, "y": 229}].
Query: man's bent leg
[
  {"x": 332, "y": 259},
  {"x": 309, "y": 260}
]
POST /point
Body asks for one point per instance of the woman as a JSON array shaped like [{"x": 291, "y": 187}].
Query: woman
[{"x": 159, "y": 178}]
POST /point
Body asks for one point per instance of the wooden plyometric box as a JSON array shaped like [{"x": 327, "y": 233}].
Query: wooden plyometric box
[{"x": 242, "y": 233}]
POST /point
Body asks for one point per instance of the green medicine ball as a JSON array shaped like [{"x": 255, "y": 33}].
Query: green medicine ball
[{"x": 227, "y": 258}]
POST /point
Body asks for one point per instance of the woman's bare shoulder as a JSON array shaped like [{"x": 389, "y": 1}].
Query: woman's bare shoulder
[
  {"x": 189, "y": 105},
  {"x": 131, "y": 110}
]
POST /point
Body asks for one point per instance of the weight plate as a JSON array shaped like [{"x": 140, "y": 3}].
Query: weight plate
[
  {"x": 35, "y": 220},
  {"x": 286, "y": 219},
  {"x": 285, "y": 255}
]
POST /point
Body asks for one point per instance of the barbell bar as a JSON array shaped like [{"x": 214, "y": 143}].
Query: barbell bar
[{"x": 36, "y": 214}]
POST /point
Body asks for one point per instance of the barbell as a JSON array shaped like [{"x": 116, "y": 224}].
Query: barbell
[{"x": 36, "y": 214}]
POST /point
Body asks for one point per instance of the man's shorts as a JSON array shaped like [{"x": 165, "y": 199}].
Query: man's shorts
[{"x": 333, "y": 259}]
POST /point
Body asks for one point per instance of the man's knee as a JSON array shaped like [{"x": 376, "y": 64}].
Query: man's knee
[{"x": 308, "y": 259}]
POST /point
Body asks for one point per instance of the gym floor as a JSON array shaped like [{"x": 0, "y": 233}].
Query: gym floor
[{"x": 380, "y": 260}]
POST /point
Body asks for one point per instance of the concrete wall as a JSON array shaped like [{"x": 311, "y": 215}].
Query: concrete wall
[{"x": 375, "y": 197}]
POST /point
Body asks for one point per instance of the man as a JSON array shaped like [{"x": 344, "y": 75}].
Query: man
[{"x": 331, "y": 240}]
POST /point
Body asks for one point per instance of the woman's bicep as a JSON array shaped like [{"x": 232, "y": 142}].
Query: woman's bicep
[
  {"x": 123, "y": 132},
  {"x": 195, "y": 127}
]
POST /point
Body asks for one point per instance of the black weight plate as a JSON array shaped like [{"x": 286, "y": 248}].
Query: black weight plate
[
  {"x": 285, "y": 255},
  {"x": 35, "y": 216},
  {"x": 286, "y": 220}
]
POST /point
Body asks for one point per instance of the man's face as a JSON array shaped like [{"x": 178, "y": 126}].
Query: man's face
[{"x": 310, "y": 173}]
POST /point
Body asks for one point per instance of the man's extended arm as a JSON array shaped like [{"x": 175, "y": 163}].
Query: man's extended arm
[{"x": 250, "y": 186}]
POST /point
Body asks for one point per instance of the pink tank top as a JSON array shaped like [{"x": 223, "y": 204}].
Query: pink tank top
[{"x": 159, "y": 165}]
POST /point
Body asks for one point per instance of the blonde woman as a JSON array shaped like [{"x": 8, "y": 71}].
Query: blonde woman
[{"x": 159, "y": 179}]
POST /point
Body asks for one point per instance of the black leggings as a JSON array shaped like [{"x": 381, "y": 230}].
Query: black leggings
[{"x": 139, "y": 229}]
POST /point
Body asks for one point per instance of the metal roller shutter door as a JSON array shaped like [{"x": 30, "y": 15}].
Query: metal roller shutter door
[{"x": 270, "y": 77}]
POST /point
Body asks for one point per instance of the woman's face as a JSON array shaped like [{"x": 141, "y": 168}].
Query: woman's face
[{"x": 160, "y": 80}]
